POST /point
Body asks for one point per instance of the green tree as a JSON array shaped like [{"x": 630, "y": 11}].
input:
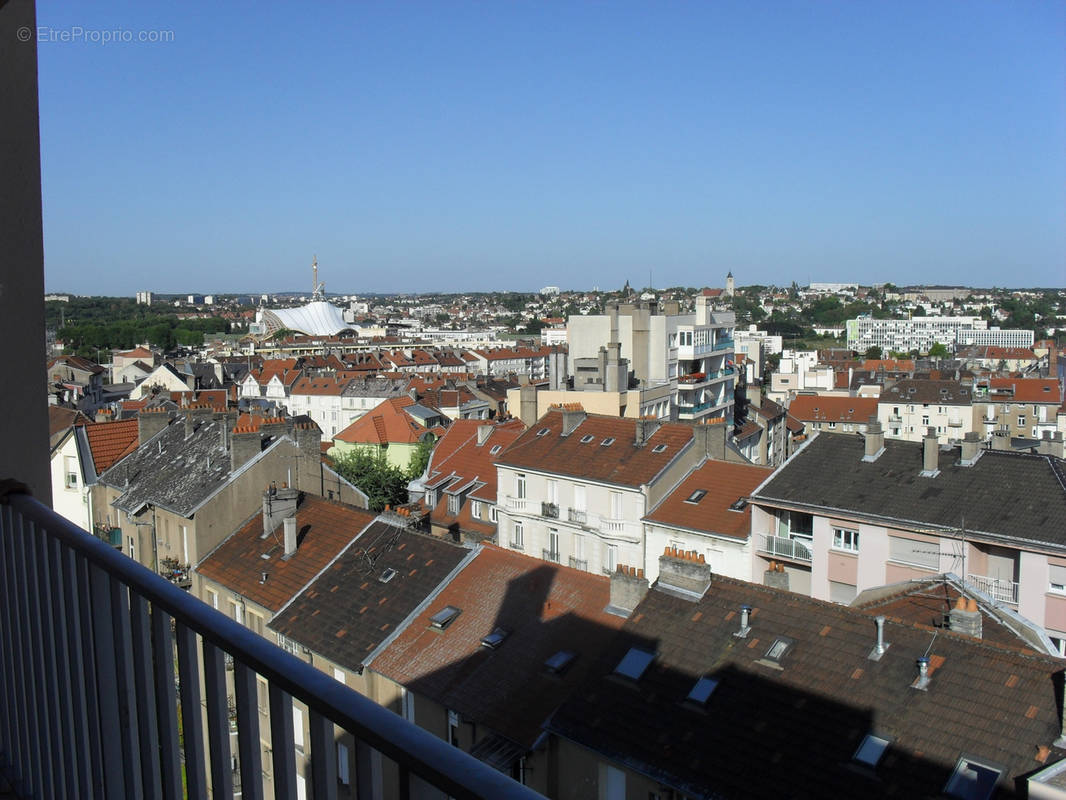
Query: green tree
[
  {"x": 383, "y": 483},
  {"x": 873, "y": 352},
  {"x": 938, "y": 351},
  {"x": 420, "y": 459}
]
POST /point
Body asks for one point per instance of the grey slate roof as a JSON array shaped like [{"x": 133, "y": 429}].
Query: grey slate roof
[
  {"x": 931, "y": 392},
  {"x": 1016, "y": 495}
]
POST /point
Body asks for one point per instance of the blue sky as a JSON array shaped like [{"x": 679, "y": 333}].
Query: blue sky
[{"x": 454, "y": 146}]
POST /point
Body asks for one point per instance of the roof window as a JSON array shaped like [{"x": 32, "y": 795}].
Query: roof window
[
  {"x": 588, "y": 437},
  {"x": 696, "y": 496},
  {"x": 387, "y": 575},
  {"x": 495, "y": 449},
  {"x": 543, "y": 432},
  {"x": 559, "y": 662},
  {"x": 702, "y": 691},
  {"x": 972, "y": 780},
  {"x": 659, "y": 448},
  {"x": 779, "y": 649},
  {"x": 607, "y": 442},
  {"x": 871, "y": 751},
  {"x": 445, "y": 617},
  {"x": 494, "y": 639},
  {"x": 739, "y": 505},
  {"x": 634, "y": 664}
]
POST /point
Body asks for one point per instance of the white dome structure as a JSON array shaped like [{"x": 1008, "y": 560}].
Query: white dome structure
[{"x": 317, "y": 318}]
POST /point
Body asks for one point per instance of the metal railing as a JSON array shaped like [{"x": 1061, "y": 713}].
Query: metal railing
[
  {"x": 786, "y": 548},
  {"x": 550, "y": 555},
  {"x": 1000, "y": 590},
  {"x": 90, "y": 705},
  {"x": 549, "y": 510},
  {"x": 574, "y": 515},
  {"x": 579, "y": 563}
]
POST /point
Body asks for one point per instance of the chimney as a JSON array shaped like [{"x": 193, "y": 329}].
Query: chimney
[
  {"x": 103, "y": 415},
  {"x": 527, "y": 405},
  {"x": 244, "y": 446},
  {"x": 684, "y": 574},
  {"x": 875, "y": 440},
  {"x": 413, "y": 394},
  {"x": 881, "y": 645},
  {"x": 965, "y": 617},
  {"x": 628, "y": 588},
  {"x": 930, "y": 454},
  {"x": 1001, "y": 440},
  {"x": 195, "y": 416},
  {"x": 151, "y": 421},
  {"x": 971, "y": 449},
  {"x": 922, "y": 682},
  {"x": 745, "y": 628},
  {"x": 290, "y": 536},
  {"x": 483, "y": 433},
  {"x": 775, "y": 576},
  {"x": 278, "y": 504},
  {"x": 308, "y": 438},
  {"x": 646, "y": 428},
  {"x": 572, "y": 418},
  {"x": 710, "y": 439},
  {"x": 1051, "y": 444}
]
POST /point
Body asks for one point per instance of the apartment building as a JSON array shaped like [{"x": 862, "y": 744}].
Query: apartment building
[
  {"x": 831, "y": 413},
  {"x": 910, "y": 407},
  {"x": 1024, "y": 408},
  {"x": 921, "y": 333},
  {"x": 846, "y": 514},
  {"x": 691, "y": 353},
  {"x": 574, "y": 488}
]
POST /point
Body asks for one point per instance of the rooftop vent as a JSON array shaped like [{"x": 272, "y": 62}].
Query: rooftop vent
[
  {"x": 560, "y": 662},
  {"x": 634, "y": 664},
  {"x": 745, "y": 628},
  {"x": 881, "y": 645},
  {"x": 443, "y": 618},
  {"x": 922, "y": 682}
]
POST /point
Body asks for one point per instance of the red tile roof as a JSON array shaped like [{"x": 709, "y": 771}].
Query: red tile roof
[
  {"x": 724, "y": 483},
  {"x": 620, "y": 462},
  {"x": 544, "y": 607},
  {"x": 1029, "y": 390},
  {"x": 387, "y": 423},
  {"x": 819, "y": 408},
  {"x": 458, "y": 454},
  {"x": 323, "y": 529},
  {"x": 111, "y": 441}
]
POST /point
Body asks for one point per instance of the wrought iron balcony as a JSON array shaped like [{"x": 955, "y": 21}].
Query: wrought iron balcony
[
  {"x": 550, "y": 555},
  {"x": 90, "y": 705},
  {"x": 575, "y": 515},
  {"x": 549, "y": 510},
  {"x": 579, "y": 563}
]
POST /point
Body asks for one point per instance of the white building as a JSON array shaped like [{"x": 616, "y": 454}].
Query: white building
[{"x": 921, "y": 333}]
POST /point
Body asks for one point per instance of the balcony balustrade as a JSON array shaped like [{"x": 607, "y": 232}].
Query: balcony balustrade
[
  {"x": 579, "y": 563},
  {"x": 550, "y": 555},
  {"x": 1000, "y": 590},
  {"x": 575, "y": 515},
  {"x": 796, "y": 549},
  {"x": 90, "y": 704},
  {"x": 549, "y": 510}
]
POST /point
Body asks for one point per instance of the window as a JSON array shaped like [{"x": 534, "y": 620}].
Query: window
[
  {"x": 616, "y": 505},
  {"x": 842, "y": 593},
  {"x": 338, "y": 675},
  {"x": 779, "y": 649},
  {"x": 543, "y": 432},
  {"x": 1021, "y": 422},
  {"x": 494, "y": 514},
  {"x": 844, "y": 539},
  {"x": 453, "y": 504},
  {"x": 925, "y": 419},
  {"x": 298, "y": 728},
  {"x": 588, "y": 437},
  {"x": 871, "y": 750},
  {"x": 696, "y": 496},
  {"x": 494, "y": 639},
  {"x": 607, "y": 442},
  {"x": 475, "y": 509},
  {"x": 445, "y": 617},
  {"x": 558, "y": 663},
  {"x": 212, "y": 598},
  {"x": 579, "y": 546},
  {"x": 972, "y": 780},
  {"x": 553, "y": 491},
  {"x": 1057, "y": 578},
  {"x": 702, "y": 691},
  {"x": 236, "y": 610},
  {"x": 659, "y": 448},
  {"x": 520, "y": 486},
  {"x": 634, "y": 664},
  {"x": 912, "y": 551},
  {"x": 342, "y": 764},
  {"x": 516, "y": 536},
  {"x": 255, "y": 622},
  {"x": 580, "y": 499},
  {"x": 553, "y": 544},
  {"x": 262, "y": 695},
  {"x": 70, "y": 472},
  {"x": 612, "y": 557}
]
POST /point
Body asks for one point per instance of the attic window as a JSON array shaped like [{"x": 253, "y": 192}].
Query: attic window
[
  {"x": 871, "y": 751},
  {"x": 495, "y": 449},
  {"x": 739, "y": 505},
  {"x": 702, "y": 691},
  {"x": 634, "y": 664},
  {"x": 543, "y": 432},
  {"x": 588, "y": 437},
  {"x": 387, "y": 575},
  {"x": 443, "y": 618},
  {"x": 559, "y": 662},
  {"x": 607, "y": 442},
  {"x": 696, "y": 496},
  {"x": 972, "y": 780},
  {"x": 779, "y": 649},
  {"x": 659, "y": 448},
  {"x": 494, "y": 639}
]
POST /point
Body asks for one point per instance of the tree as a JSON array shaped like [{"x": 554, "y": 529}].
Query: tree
[
  {"x": 420, "y": 459},
  {"x": 383, "y": 483},
  {"x": 874, "y": 352},
  {"x": 938, "y": 351}
]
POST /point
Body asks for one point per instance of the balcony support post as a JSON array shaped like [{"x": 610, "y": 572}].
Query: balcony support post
[
  {"x": 142, "y": 677},
  {"x": 192, "y": 730},
  {"x": 282, "y": 742},
  {"x": 251, "y": 759},
  {"x": 166, "y": 704},
  {"x": 217, "y": 721},
  {"x": 107, "y": 699}
]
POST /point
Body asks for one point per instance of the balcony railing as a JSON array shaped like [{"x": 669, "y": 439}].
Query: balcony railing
[
  {"x": 549, "y": 510},
  {"x": 795, "y": 549},
  {"x": 518, "y": 503},
  {"x": 580, "y": 517},
  {"x": 723, "y": 344},
  {"x": 550, "y": 555},
  {"x": 579, "y": 563},
  {"x": 89, "y": 701},
  {"x": 694, "y": 409},
  {"x": 1002, "y": 591}
]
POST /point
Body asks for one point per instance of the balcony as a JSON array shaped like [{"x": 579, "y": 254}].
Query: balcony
[
  {"x": 550, "y": 555},
  {"x": 518, "y": 503},
  {"x": 176, "y": 573},
  {"x": 549, "y": 510},
  {"x": 955, "y": 423},
  {"x": 90, "y": 704},
  {"x": 580, "y": 517},
  {"x": 723, "y": 344},
  {"x": 691, "y": 410},
  {"x": 795, "y": 549},
  {"x": 579, "y": 563},
  {"x": 1002, "y": 591}
]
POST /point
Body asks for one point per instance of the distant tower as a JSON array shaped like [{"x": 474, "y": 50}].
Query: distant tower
[
  {"x": 730, "y": 286},
  {"x": 317, "y": 289}
]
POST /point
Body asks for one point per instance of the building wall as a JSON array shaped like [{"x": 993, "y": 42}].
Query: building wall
[
  {"x": 726, "y": 555},
  {"x": 70, "y": 501},
  {"x": 909, "y": 421}
]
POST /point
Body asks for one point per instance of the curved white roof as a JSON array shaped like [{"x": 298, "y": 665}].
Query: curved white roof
[{"x": 314, "y": 319}]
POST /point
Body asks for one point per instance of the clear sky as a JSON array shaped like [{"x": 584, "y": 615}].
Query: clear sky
[{"x": 455, "y": 146}]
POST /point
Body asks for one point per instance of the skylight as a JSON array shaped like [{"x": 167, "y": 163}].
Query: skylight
[
  {"x": 387, "y": 575},
  {"x": 494, "y": 639},
  {"x": 659, "y": 448},
  {"x": 543, "y": 432},
  {"x": 871, "y": 750},
  {"x": 696, "y": 496},
  {"x": 972, "y": 780},
  {"x": 445, "y": 617},
  {"x": 558, "y": 663},
  {"x": 779, "y": 648},
  {"x": 588, "y": 437},
  {"x": 634, "y": 664},
  {"x": 702, "y": 691},
  {"x": 495, "y": 449},
  {"x": 607, "y": 442}
]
